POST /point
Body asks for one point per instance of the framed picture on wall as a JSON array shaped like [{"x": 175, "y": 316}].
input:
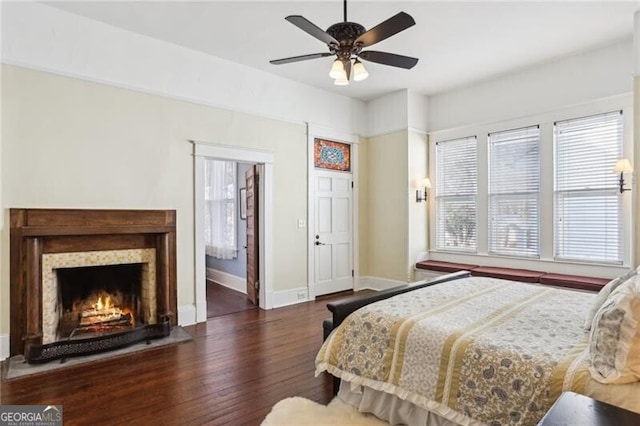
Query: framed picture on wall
[{"x": 243, "y": 203}]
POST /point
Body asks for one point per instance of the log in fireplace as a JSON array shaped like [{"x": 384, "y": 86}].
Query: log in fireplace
[{"x": 87, "y": 281}]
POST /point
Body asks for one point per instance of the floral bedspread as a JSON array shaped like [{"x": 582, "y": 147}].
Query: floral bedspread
[{"x": 472, "y": 350}]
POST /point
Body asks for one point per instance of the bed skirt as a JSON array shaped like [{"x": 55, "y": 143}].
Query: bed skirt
[{"x": 392, "y": 409}]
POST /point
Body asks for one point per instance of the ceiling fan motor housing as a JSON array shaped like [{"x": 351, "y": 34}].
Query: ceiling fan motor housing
[{"x": 346, "y": 33}]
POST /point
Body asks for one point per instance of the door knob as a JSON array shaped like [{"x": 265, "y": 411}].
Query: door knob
[{"x": 318, "y": 243}]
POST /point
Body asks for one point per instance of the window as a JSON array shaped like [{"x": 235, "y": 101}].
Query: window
[
  {"x": 456, "y": 191},
  {"x": 588, "y": 205},
  {"x": 220, "y": 209},
  {"x": 514, "y": 188}
]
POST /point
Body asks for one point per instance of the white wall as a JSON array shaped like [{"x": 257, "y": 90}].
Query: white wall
[
  {"x": 401, "y": 110},
  {"x": 418, "y": 111},
  {"x": 39, "y": 36},
  {"x": 387, "y": 114},
  {"x": 581, "y": 78}
]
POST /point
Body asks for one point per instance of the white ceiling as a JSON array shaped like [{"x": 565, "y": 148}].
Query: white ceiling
[{"x": 458, "y": 43}]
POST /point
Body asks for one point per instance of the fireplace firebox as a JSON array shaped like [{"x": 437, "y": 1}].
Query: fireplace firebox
[
  {"x": 87, "y": 281},
  {"x": 98, "y": 300}
]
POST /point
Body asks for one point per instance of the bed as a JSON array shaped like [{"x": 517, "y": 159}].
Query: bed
[{"x": 467, "y": 350}]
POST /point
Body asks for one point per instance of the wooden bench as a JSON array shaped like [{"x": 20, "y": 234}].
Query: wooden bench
[
  {"x": 448, "y": 267},
  {"x": 523, "y": 275},
  {"x": 574, "y": 281}
]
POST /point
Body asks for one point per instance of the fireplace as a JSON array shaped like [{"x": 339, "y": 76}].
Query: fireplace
[{"x": 86, "y": 281}]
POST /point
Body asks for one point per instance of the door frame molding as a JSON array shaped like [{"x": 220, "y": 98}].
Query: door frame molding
[
  {"x": 317, "y": 131},
  {"x": 202, "y": 151}
]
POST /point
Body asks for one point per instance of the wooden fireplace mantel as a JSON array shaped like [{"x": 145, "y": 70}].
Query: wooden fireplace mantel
[{"x": 34, "y": 232}]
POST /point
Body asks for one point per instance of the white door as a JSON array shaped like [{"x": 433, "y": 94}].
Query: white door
[{"x": 333, "y": 232}]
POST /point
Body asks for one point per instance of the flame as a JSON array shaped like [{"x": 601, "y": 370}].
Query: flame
[
  {"x": 103, "y": 307},
  {"x": 106, "y": 305}
]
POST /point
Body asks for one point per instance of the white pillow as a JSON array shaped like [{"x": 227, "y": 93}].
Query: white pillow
[
  {"x": 614, "y": 343},
  {"x": 604, "y": 293}
]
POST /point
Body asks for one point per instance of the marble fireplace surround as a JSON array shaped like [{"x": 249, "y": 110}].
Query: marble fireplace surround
[{"x": 42, "y": 240}]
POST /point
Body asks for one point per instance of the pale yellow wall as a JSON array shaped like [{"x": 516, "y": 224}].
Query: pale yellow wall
[
  {"x": 4, "y": 245},
  {"x": 75, "y": 144},
  {"x": 417, "y": 171},
  {"x": 636, "y": 166},
  {"x": 363, "y": 207},
  {"x": 387, "y": 208}
]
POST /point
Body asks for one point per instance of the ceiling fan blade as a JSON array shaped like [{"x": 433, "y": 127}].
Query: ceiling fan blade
[
  {"x": 309, "y": 27},
  {"x": 386, "y": 29},
  {"x": 300, "y": 58},
  {"x": 392, "y": 59}
]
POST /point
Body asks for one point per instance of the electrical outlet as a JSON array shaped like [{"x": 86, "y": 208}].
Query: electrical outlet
[
  {"x": 301, "y": 223},
  {"x": 302, "y": 295}
]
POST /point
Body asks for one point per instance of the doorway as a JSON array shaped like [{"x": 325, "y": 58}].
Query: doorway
[
  {"x": 333, "y": 267},
  {"x": 230, "y": 272},
  {"x": 202, "y": 151},
  {"x": 333, "y": 211}
]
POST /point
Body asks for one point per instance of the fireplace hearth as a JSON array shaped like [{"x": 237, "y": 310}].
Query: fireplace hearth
[{"x": 88, "y": 281}]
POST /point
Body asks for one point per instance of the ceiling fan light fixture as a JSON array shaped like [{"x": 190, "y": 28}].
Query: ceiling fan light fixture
[
  {"x": 337, "y": 70},
  {"x": 359, "y": 71},
  {"x": 342, "y": 81},
  {"x": 346, "y": 40}
]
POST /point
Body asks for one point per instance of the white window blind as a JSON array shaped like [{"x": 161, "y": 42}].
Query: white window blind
[
  {"x": 456, "y": 192},
  {"x": 588, "y": 205},
  {"x": 514, "y": 189}
]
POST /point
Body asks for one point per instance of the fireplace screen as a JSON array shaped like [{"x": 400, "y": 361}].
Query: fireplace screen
[{"x": 97, "y": 300}]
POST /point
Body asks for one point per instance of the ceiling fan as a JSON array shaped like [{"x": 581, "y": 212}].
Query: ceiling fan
[{"x": 346, "y": 40}]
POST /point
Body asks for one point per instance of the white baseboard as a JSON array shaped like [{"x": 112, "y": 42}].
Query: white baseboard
[
  {"x": 4, "y": 346},
  {"x": 187, "y": 314},
  {"x": 233, "y": 282},
  {"x": 378, "y": 284},
  {"x": 282, "y": 298},
  {"x": 312, "y": 291},
  {"x": 201, "y": 311}
]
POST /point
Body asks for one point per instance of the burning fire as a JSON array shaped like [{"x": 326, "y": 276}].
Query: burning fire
[
  {"x": 105, "y": 306},
  {"x": 104, "y": 311}
]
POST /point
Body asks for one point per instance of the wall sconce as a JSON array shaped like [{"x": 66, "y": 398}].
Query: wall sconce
[
  {"x": 421, "y": 194},
  {"x": 623, "y": 166}
]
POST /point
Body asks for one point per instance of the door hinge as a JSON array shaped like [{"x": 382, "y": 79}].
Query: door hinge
[
  {"x": 353, "y": 274},
  {"x": 351, "y": 184},
  {"x": 257, "y": 285}
]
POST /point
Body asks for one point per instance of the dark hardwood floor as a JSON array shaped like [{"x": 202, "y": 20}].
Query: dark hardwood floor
[
  {"x": 233, "y": 371},
  {"x": 222, "y": 300}
]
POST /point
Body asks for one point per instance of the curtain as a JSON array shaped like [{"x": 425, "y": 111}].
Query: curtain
[{"x": 220, "y": 209}]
